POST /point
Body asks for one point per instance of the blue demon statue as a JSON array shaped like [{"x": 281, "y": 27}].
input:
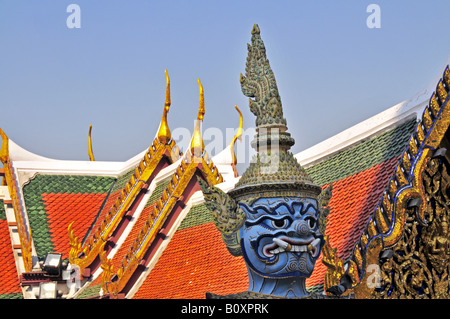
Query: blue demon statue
[
  {"x": 281, "y": 241},
  {"x": 274, "y": 215}
]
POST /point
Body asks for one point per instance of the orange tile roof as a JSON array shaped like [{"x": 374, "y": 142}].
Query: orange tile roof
[
  {"x": 196, "y": 261},
  {"x": 62, "y": 209},
  {"x": 354, "y": 200},
  {"x": 9, "y": 279}
]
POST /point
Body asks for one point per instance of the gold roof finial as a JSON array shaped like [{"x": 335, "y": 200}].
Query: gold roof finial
[
  {"x": 4, "y": 151},
  {"x": 91, "y": 154},
  {"x": 164, "y": 135},
  {"x": 201, "y": 107},
  {"x": 237, "y": 136},
  {"x": 197, "y": 144}
]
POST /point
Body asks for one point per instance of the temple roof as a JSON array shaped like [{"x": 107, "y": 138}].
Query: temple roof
[
  {"x": 180, "y": 273},
  {"x": 71, "y": 207},
  {"x": 187, "y": 256},
  {"x": 359, "y": 171}
]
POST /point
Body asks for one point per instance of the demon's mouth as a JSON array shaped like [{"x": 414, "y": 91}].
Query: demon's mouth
[{"x": 289, "y": 244}]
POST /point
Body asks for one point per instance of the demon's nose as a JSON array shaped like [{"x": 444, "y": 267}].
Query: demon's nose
[{"x": 299, "y": 228}]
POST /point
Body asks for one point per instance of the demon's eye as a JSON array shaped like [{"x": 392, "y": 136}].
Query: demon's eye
[
  {"x": 311, "y": 222},
  {"x": 270, "y": 223},
  {"x": 279, "y": 223}
]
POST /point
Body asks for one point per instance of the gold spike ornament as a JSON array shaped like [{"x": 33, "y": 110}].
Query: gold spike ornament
[
  {"x": 91, "y": 154},
  {"x": 197, "y": 144},
  {"x": 237, "y": 136},
  {"x": 164, "y": 135}
]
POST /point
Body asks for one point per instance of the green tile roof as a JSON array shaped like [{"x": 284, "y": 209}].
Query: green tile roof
[
  {"x": 197, "y": 215},
  {"x": 11, "y": 296},
  {"x": 157, "y": 192},
  {"x": 2, "y": 210},
  {"x": 364, "y": 155},
  {"x": 122, "y": 180},
  {"x": 317, "y": 289},
  {"x": 72, "y": 184},
  {"x": 92, "y": 291}
]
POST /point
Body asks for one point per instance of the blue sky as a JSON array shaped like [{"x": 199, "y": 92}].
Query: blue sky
[{"x": 332, "y": 70}]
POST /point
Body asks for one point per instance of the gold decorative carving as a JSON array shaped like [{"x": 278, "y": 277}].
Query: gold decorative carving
[
  {"x": 420, "y": 264},
  {"x": 363, "y": 287},
  {"x": 406, "y": 238},
  {"x": 75, "y": 245},
  {"x": 335, "y": 265},
  {"x": 24, "y": 230},
  {"x": 107, "y": 270}
]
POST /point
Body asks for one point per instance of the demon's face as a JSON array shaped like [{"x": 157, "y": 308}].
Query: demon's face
[{"x": 280, "y": 237}]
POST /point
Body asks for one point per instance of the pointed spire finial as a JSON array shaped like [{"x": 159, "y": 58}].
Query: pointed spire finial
[
  {"x": 164, "y": 135},
  {"x": 255, "y": 29},
  {"x": 167, "y": 102},
  {"x": 259, "y": 85},
  {"x": 201, "y": 107},
  {"x": 90, "y": 152},
  {"x": 197, "y": 144},
  {"x": 4, "y": 151},
  {"x": 274, "y": 164},
  {"x": 237, "y": 136}
]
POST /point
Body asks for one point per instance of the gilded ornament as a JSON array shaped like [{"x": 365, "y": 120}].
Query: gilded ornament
[
  {"x": 407, "y": 237},
  {"x": 238, "y": 135},
  {"x": 24, "y": 231},
  {"x": 197, "y": 146},
  {"x": 90, "y": 152},
  {"x": 164, "y": 135},
  {"x": 4, "y": 150}
]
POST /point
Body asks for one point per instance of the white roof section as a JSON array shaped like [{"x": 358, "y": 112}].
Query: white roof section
[
  {"x": 27, "y": 164},
  {"x": 26, "y": 161}
]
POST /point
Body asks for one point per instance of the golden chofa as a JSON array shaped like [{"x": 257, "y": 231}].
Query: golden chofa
[
  {"x": 197, "y": 145},
  {"x": 237, "y": 136},
  {"x": 164, "y": 135},
  {"x": 90, "y": 152}
]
